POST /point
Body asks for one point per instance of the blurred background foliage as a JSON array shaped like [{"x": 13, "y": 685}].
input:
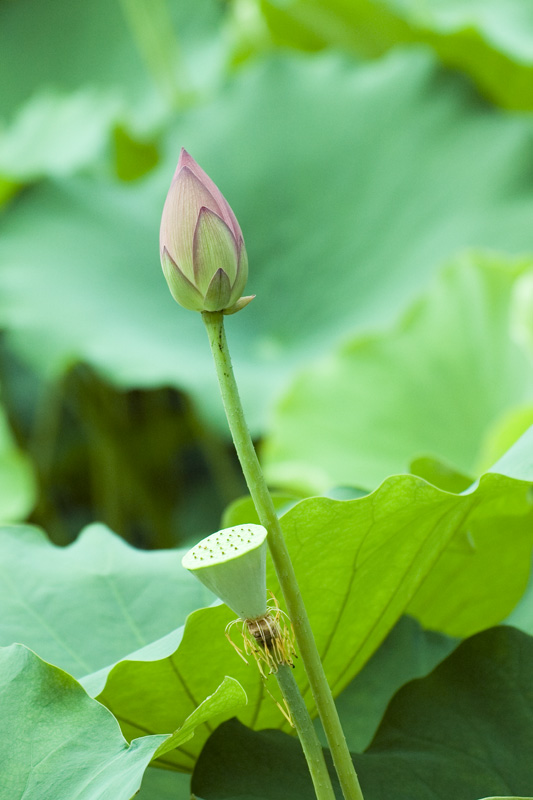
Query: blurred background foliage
[{"x": 378, "y": 156}]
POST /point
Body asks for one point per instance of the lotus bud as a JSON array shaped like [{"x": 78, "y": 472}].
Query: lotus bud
[
  {"x": 232, "y": 563},
  {"x": 202, "y": 249}
]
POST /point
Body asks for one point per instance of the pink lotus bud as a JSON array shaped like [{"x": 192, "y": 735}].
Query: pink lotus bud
[{"x": 202, "y": 249}]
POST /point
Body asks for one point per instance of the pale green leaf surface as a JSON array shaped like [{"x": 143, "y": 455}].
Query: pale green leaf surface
[
  {"x": 471, "y": 570},
  {"x": 490, "y": 40},
  {"x": 55, "y": 741},
  {"x": 474, "y": 572},
  {"x": 343, "y": 224},
  {"x": 464, "y": 585},
  {"x": 223, "y": 702},
  {"x": 144, "y": 690},
  {"x": 162, "y": 648},
  {"x": 517, "y": 462},
  {"x": 463, "y": 731},
  {"x": 111, "y": 46},
  {"x": 361, "y": 562},
  {"x": 87, "y": 605},
  {"x": 506, "y": 430},
  {"x": 524, "y": 311},
  {"x": 56, "y": 135},
  {"x": 433, "y": 385}
]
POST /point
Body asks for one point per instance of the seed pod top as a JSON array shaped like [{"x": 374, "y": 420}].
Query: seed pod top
[
  {"x": 232, "y": 563},
  {"x": 202, "y": 248}
]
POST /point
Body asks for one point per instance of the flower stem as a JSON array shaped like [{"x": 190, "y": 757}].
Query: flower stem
[
  {"x": 153, "y": 32},
  {"x": 306, "y": 733},
  {"x": 214, "y": 322}
]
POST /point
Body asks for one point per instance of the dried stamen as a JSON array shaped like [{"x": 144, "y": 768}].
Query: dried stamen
[{"x": 269, "y": 640}]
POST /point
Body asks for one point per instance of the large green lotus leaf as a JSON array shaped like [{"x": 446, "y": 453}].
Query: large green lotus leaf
[
  {"x": 435, "y": 384},
  {"x": 17, "y": 479},
  {"x": 408, "y": 652},
  {"x": 55, "y": 135},
  {"x": 475, "y": 566},
  {"x": 361, "y": 562},
  {"x": 58, "y": 742},
  {"x": 489, "y": 40},
  {"x": 465, "y": 583},
  {"x": 102, "y": 107},
  {"x": 462, "y": 732},
  {"x": 144, "y": 689},
  {"x": 164, "y": 784},
  {"x": 474, "y": 561},
  {"x": 111, "y": 46},
  {"x": 344, "y": 223},
  {"x": 87, "y": 605}
]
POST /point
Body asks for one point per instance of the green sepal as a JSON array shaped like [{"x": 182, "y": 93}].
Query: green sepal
[
  {"x": 240, "y": 304},
  {"x": 218, "y": 294},
  {"x": 241, "y": 277},
  {"x": 180, "y": 287}
]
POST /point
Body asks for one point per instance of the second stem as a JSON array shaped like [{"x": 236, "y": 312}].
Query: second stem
[{"x": 306, "y": 732}]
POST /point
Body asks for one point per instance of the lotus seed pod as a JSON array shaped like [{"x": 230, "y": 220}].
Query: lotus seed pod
[
  {"x": 232, "y": 563},
  {"x": 202, "y": 248}
]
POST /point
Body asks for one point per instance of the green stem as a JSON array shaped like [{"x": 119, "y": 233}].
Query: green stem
[
  {"x": 153, "y": 31},
  {"x": 306, "y": 732},
  {"x": 214, "y": 322}
]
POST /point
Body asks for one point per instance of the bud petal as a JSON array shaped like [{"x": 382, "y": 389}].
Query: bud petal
[
  {"x": 224, "y": 208},
  {"x": 214, "y": 248},
  {"x": 185, "y": 198},
  {"x": 218, "y": 294},
  {"x": 242, "y": 275},
  {"x": 181, "y": 289},
  {"x": 202, "y": 250}
]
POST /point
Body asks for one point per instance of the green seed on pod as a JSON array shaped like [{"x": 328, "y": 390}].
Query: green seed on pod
[{"x": 232, "y": 563}]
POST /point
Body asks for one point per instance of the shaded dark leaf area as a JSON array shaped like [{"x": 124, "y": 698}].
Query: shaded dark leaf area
[
  {"x": 458, "y": 733},
  {"x": 139, "y": 459}
]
